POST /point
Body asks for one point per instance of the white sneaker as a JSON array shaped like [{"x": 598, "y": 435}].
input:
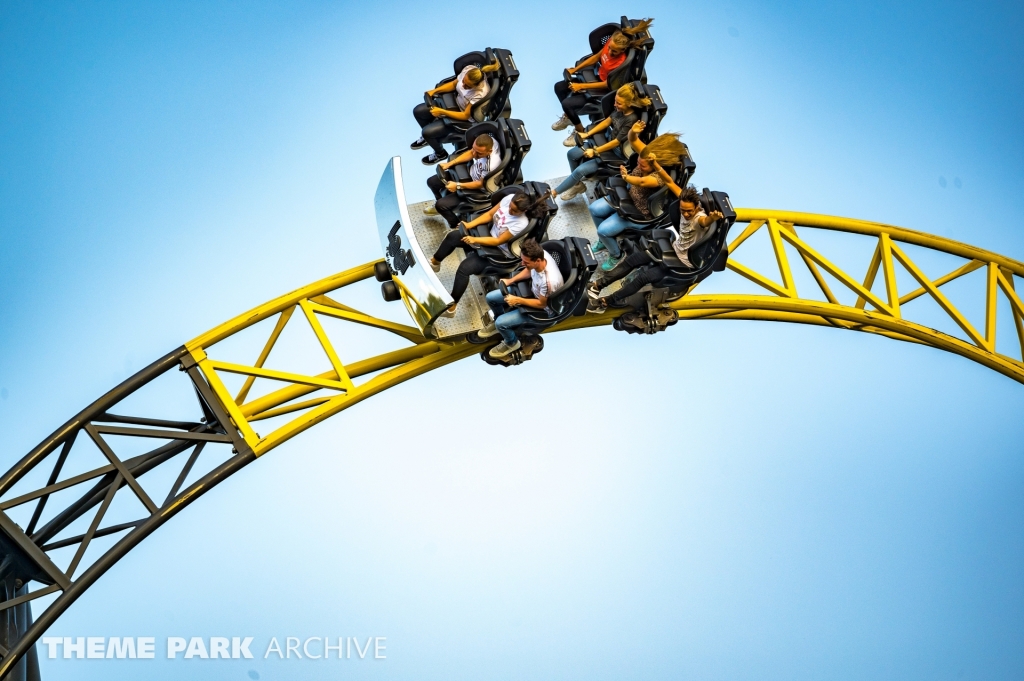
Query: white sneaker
[
  {"x": 574, "y": 191},
  {"x": 436, "y": 268},
  {"x": 488, "y": 330},
  {"x": 562, "y": 123},
  {"x": 503, "y": 349},
  {"x": 429, "y": 209},
  {"x": 570, "y": 141}
]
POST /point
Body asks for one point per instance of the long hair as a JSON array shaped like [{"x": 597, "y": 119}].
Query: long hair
[
  {"x": 629, "y": 95},
  {"x": 667, "y": 148},
  {"x": 533, "y": 208},
  {"x": 474, "y": 76},
  {"x": 625, "y": 39}
]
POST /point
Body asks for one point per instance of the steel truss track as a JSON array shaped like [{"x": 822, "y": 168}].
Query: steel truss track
[{"x": 47, "y": 551}]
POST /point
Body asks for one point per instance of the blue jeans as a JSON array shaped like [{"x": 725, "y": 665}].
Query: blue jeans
[
  {"x": 609, "y": 225},
  {"x": 505, "y": 322},
  {"x": 580, "y": 169}
]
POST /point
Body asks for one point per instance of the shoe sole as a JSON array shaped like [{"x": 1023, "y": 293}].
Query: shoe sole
[{"x": 506, "y": 354}]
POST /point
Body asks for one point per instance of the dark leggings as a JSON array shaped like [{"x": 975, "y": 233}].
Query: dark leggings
[
  {"x": 433, "y": 129},
  {"x": 472, "y": 264},
  {"x": 571, "y": 101},
  {"x": 646, "y": 272},
  {"x": 446, "y": 203}
]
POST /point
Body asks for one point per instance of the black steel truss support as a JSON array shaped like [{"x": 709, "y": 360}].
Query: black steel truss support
[{"x": 25, "y": 553}]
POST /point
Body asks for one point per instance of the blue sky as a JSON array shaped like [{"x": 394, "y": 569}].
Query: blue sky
[{"x": 785, "y": 502}]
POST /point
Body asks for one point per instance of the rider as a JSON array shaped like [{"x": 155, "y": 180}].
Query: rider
[
  {"x": 607, "y": 59},
  {"x": 508, "y": 218},
  {"x": 642, "y": 181},
  {"x": 538, "y": 266},
  {"x": 485, "y": 156},
  {"x": 694, "y": 223},
  {"x": 470, "y": 87},
  {"x": 584, "y": 162}
]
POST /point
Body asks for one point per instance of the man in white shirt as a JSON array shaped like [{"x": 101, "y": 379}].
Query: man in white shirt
[
  {"x": 470, "y": 86},
  {"x": 483, "y": 157},
  {"x": 538, "y": 266}
]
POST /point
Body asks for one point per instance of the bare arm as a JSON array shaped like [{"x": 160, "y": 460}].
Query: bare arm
[
  {"x": 521, "y": 275},
  {"x": 461, "y": 158},
  {"x": 634, "y": 136},
  {"x": 649, "y": 181},
  {"x": 443, "y": 87},
  {"x": 708, "y": 219},
  {"x": 597, "y": 85},
  {"x": 589, "y": 61},
  {"x": 502, "y": 238},
  {"x": 672, "y": 186},
  {"x": 438, "y": 112},
  {"x": 483, "y": 219}
]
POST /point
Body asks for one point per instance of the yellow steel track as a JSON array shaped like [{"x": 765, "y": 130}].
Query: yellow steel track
[{"x": 313, "y": 398}]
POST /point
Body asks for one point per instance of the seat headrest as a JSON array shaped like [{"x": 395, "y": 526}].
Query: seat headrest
[
  {"x": 470, "y": 59},
  {"x": 503, "y": 192},
  {"x": 600, "y": 35},
  {"x": 484, "y": 128},
  {"x": 560, "y": 253}
]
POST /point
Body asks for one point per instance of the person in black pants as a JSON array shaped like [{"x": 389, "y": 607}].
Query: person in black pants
[
  {"x": 483, "y": 157},
  {"x": 469, "y": 86},
  {"x": 571, "y": 92}
]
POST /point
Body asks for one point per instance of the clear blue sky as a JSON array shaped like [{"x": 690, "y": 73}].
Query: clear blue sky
[{"x": 784, "y": 503}]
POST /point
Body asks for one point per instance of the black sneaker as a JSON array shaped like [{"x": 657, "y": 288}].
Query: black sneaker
[
  {"x": 434, "y": 159},
  {"x": 418, "y": 144}
]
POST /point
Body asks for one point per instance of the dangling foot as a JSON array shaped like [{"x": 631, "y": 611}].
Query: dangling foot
[
  {"x": 610, "y": 263},
  {"x": 418, "y": 144},
  {"x": 562, "y": 123},
  {"x": 489, "y": 330},
  {"x": 430, "y": 209},
  {"x": 503, "y": 349},
  {"x": 574, "y": 191},
  {"x": 571, "y": 140},
  {"x": 435, "y": 265},
  {"x": 450, "y": 312},
  {"x": 434, "y": 159}
]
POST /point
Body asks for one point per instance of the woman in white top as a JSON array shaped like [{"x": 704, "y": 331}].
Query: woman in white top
[
  {"x": 470, "y": 86},
  {"x": 508, "y": 219}
]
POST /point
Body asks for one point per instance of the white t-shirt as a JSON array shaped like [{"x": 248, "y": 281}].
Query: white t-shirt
[
  {"x": 689, "y": 231},
  {"x": 503, "y": 221},
  {"x": 469, "y": 95},
  {"x": 479, "y": 167},
  {"x": 547, "y": 282}
]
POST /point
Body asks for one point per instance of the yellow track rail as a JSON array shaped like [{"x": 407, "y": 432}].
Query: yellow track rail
[{"x": 314, "y": 398}]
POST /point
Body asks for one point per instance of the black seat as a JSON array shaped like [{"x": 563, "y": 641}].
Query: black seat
[
  {"x": 513, "y": 142},
  {"x": 495, "y": 104},
  {"x": 708, "y": 254}
]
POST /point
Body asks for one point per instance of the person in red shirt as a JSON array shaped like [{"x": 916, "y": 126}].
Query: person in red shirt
[{"x": 571, "y": 92}]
